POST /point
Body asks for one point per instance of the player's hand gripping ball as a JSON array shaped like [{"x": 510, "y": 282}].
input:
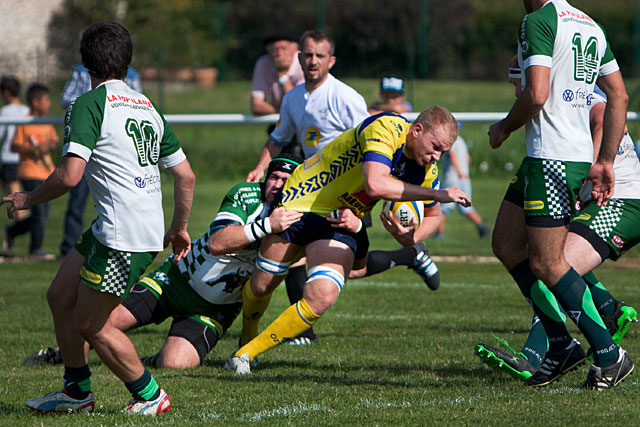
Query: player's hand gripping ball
[{"x": 405, "y": 212}]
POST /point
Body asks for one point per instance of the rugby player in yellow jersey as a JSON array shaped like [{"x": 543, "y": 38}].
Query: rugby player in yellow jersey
[{"x": 385, "y": 157}]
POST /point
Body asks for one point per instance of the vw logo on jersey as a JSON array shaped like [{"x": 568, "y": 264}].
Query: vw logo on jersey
[
  {"x": 525, "y": 46},
  {"x": 567, "y": 95},
  {"x": 140, "y": 182},
  {"x": 312, "y": 137}
]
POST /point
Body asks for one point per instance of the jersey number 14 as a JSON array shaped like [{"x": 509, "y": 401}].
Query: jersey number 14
[{"x": 586, "y": 59}]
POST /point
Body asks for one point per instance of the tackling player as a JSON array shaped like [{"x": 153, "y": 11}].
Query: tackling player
[
  {"x": 316, "y": 113},
  {"x": 202, "y": 291},
  {"x": 385, "y": 157}
]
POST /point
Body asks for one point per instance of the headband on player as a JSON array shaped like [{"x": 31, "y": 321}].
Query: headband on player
[{"x": 283, "y": 164}]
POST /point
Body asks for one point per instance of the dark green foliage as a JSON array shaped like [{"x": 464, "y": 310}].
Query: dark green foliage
[{"x": 465, "y": 38}]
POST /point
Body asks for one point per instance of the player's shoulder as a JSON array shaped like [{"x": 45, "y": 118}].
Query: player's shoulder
[
  {"x": 95, "y": 98},
  {"x": 341, "y": 89},
  {"x": 546, "y": 16},
  {"x": 386, "y": 120},
  {"x": 294, "y": 95},
  {"x": 383, "y": 126}
]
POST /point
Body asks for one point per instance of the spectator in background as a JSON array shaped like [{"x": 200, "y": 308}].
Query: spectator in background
[
  {"x": 34, "y": 142},
  {"x": 78, "y": 84},
  {"x": 455, "y": 173},
  {"x": 392, "y": 94},
  {"x": 13, "y": 109},
  {"x": 275, "y": 73}
]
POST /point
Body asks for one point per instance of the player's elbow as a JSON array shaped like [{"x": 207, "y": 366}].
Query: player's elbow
[
  {"x": 183, "y": 174},
  {"x": 375, "y": 190},
  {"x": 622, "y": 98},
  {"x": 68, "y": 178},
  {"x": 216, "y": 247},
  {"x": 538, "y": 99}
]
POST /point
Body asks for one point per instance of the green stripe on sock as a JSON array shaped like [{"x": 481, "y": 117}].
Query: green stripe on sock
[
  {"x": 590, "y": 309},
  {"x": 547, "y": 302},
  {"x": 150, "y": 391},
  {"x": 84, "y": 385}
]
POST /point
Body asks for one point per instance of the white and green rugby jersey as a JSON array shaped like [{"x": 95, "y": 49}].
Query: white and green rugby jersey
[
  {"x": 626, "y": 166},
  {"x": 122, "y": 136},
  {"x": 560, "y": 37},
  {"x": 219, "y": 279}
]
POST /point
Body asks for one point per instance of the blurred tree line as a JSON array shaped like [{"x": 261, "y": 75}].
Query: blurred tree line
[{"x": 453, "y": 39}]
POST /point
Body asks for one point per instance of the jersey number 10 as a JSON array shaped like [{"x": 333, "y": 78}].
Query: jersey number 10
[{"x": 145, "y": 138}]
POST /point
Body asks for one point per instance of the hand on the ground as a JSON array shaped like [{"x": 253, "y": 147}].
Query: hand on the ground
[
  {"x": 344, "y": 218},
  {"x": 281, "y": 219},
  {"x": 180, "y": 243},
  {"x": 16, "y": 202}
]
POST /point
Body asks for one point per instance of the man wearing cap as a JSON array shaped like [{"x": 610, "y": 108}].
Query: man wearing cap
[
  {"x": 392, "y": 94},
  {"x": 275, "y": 73}
]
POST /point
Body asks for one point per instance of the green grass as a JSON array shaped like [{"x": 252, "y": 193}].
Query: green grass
[{"x": 391, "y": 352}]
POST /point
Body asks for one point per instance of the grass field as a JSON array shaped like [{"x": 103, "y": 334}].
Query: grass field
[{"x": 391, "y": 352}]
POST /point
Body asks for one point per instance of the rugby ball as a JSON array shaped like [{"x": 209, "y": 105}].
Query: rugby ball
[{"x": 405, "y": 212}]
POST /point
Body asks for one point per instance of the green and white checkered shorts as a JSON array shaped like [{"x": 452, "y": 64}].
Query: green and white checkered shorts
[{"x": 110, "y": 270}]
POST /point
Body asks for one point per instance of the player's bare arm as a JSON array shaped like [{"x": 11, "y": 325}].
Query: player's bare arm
[
  {"x": 66, "y": 176},
  {"x": 381, "y": 185},
  {"x": 183, "y": 184},
  {"x": 269, "y": 151},
  {"x": 601, "y": 173},
  {"x": 232, "y": 237},
  {"x": 260, "y": 107},
  {"x": 526, "y": 106}
]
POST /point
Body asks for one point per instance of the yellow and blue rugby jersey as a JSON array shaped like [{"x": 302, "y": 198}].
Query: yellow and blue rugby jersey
[{"x": 333, "y": 178}]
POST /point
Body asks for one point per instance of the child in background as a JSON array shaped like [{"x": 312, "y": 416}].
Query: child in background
[{"x": 34, "y": 142}]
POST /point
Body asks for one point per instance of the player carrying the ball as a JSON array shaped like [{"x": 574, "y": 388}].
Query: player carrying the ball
[{"x": 385, "y": 157}]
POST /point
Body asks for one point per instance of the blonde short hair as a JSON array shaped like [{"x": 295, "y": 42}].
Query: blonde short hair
[{"x": 435, "y": 116}]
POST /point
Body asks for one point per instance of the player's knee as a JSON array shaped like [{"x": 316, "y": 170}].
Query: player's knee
[
  {"x": 59, "y": 298},
  {"x": 542, "y": 268},
  {"x": 323, "y": 288},
  {"x": 269, "y": 266},
  {"x": 181, "y": 360}
]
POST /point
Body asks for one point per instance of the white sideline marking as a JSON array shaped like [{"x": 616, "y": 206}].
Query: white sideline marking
[
  {"x": 420, "y": 285},
  {"x": 407, "y": 316},
  {"x": 285, "y": 411}
]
